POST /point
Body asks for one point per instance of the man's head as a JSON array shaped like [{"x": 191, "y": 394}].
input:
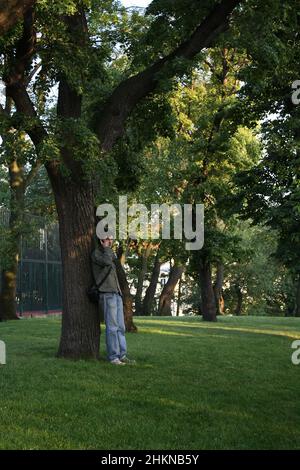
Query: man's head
[{"x": 107, "y": 242}]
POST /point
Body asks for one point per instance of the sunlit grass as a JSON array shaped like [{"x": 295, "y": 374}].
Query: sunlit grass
[
  {"x": 229, "y": 385},
  {"x": 221, "y": 325}
]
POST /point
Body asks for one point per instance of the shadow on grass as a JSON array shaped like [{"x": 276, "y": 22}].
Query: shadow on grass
[{"x": 208, "y": 327}]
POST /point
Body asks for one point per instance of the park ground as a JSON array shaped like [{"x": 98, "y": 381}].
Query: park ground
[{"x": 227, "y": 385}]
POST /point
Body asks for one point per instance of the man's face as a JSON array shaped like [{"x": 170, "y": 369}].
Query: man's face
[{"x": 107, "y": 242}]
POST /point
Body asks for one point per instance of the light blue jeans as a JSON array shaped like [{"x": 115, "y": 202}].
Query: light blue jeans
[{"x": 112, "y": 305}]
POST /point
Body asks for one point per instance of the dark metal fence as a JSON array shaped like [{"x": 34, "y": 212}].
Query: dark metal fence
[{"x": 39, "y": 281}]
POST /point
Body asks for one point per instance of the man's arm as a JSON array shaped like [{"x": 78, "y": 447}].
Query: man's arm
[{"x": 102, "y": 258}]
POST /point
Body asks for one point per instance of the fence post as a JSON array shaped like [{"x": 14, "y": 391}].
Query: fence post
[
  {"x": 2, "y": 353},
  {"x": 46, "y": 270},
  {"x": 21, "y": 276}
]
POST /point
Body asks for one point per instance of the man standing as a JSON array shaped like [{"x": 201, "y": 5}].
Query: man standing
[{"x": 110, "y": 298}]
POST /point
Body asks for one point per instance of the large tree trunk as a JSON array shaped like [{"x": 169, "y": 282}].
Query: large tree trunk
[
  {"x": 74, "y": 197},
  {"x": 164, "y": 308},
  {"x": 218, "y": 289},
  {"x": 127, "y": 298},
  {"x": 208, "y": 306},
  {"x": 80, "y": 335},
  {"x": 150, "y": 292}
]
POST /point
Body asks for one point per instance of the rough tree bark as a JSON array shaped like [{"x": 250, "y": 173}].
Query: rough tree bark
[
  {"x": 164, "y": 306},
  {"x": 208, "y": 304},
  {"x": 218, "y": 289},
  {"x": 80, "y": 335},
  {"x": 146, "y": 251},
  {"x": 179, "y": 297},
  {"x": 127, "y": 296},
  {"x": 150, "y": 292}
]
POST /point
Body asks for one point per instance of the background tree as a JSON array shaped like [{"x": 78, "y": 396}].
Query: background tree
[
  {"x": 19, "y": 158},
  {"x": 270, "y": 191}
]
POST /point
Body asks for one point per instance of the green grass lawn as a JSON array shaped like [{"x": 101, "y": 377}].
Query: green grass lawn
[{"x": 229, "y": 385}]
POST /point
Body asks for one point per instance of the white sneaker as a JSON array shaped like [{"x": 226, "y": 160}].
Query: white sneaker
[
  {"x": 117, "y": 362},
  {"x": 126, "y": 360}
]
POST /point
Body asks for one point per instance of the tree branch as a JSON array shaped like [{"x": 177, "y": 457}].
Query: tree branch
[
  {"x": 16, "y": 81},
  {"x": 25, "y": 49},
  {"x": 132, "y": 90},
  {"x": 69, "y": 102},
  {"x": 2, "y": 111},
  {"x": 33, "y": 172},
  {"x": 33, "y": 72},
  {"x": 12, "y": 11}
]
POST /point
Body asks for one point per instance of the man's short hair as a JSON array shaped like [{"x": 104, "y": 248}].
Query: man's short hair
[{"x": 108, "y": 236}]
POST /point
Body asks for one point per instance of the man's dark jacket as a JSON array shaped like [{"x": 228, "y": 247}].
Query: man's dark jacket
[{"x": 102, "y": 262}]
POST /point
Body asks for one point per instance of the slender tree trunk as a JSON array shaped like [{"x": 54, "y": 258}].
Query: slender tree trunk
[
  {"x": 164, "y": 307},
  {"x": 8, "y": 310},
  {"x": 208, "y": 307},
  {"x": 179, "y": 297},
  {"x": 141, "y": 278},
  {"x": 127, "y": 298},
  {"x": 297, "y": 306},
  {"x": 218, "y": 289},
  {"x": 121, "y": 253},
  {"x": 80, "y": 335},
  {"x": 8, "y": 307},
  {"x": 238, "y": 309},
  {"x": 150, "y": 292}
]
